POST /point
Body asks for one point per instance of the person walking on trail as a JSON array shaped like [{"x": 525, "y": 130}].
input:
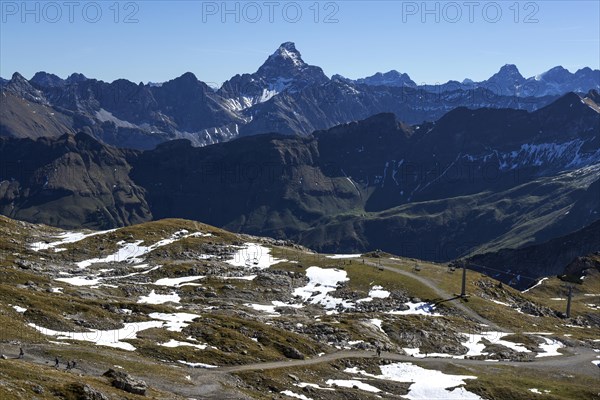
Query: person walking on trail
[
  {"x": 21, "y": 353},
  {"x": 56, "y": 362},
  {"x": 378, "y": 351},
  {"x": 69, "y": 365}
]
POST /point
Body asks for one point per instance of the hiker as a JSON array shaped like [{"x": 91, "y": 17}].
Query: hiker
[
  {"x": 378, "y": 351},
  {"x": 21, "y": 353},
  {"x": 73, "y": 363},
  {"x": 68, "y": 365},
  {"x": 56, "y": 362}
]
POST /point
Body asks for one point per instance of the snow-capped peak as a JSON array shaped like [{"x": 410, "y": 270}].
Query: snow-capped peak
[{"x": 288, "y": 51}]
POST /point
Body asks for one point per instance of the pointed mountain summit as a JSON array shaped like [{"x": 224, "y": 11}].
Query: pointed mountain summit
[
  {"x": 286, "y": 55},
  {"x": 556, "y": 75},
  {"x": 76, "y": 78},
  {"x": 284, "y": 70},
  {"x": 45, "y": 79},
  {"x": 21, "y": 87},
  {"x": 287, "y": 63},
  {"x": 505, "y": 81},
  {"x": 509, "y": 73}
]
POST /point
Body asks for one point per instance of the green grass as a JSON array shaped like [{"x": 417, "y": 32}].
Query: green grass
[
  {"x": 512, "y": 383},
  {"x": 19, "y": 379}
]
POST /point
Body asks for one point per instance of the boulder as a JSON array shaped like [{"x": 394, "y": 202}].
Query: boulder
[
  {"x": 292, "y": 352},
  {"x": 126, "y": 382}
]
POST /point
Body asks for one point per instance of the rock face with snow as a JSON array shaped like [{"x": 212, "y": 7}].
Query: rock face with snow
[{"x": 283, "y": 71}]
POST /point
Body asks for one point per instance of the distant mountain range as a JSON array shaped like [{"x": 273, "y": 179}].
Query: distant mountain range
[
  {"x": 508, "y": 82},
  {"x": 285, "y": 95},
  {"x": 472, "y": 182}
]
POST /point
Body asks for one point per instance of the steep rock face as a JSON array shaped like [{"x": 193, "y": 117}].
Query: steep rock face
[
  {"x": 20, "y": 117},
  {"x": 20, "y": 87},
  {"x": 72, "y": 181},
  {"x": 379, "y": 183},
  {"x": 506, "y": 80},
  {"x": 44, "y": 79},
  {"x": 283, "y": 71},
  {"x": 265, "y": 183}
]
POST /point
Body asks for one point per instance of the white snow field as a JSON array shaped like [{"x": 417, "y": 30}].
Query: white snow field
[
  {"x": 114, "y": 337},
  {"x": 427, "y": 384},
  {"x": 322, "y": 281},
  {"x": 254, "y": 255}
]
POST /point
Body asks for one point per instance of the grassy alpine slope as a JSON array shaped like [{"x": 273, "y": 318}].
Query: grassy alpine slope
[{"x": 199, "y": 312}]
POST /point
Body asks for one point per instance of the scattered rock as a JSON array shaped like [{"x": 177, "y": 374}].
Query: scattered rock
[
  {"x": 37, "y": 389},
  {"x": 292, "y": 352},
  {"x": 86, "y": 392},
  {"x": 126, "y": 382}
]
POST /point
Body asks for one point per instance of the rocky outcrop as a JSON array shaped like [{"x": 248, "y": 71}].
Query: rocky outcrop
[
  {"x": 126, "y": 382},
  {"x": 86, "y": 392}
]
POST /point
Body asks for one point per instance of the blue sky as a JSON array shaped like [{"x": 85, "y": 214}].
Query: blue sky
[{"x": 159, "y": 40}]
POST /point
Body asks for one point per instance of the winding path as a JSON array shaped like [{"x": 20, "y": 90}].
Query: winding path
[
  {"x": 581, "y": 357},
  {"x": 456, "y": 301}
]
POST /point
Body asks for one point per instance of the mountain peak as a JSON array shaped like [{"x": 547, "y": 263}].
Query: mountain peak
[
  {"x": 17, "y": 77},
  {"x": 289, "y": 46},
  {"x": 76, "y": 77},
  {"x": 187, "y": 77},
  {"x": 506, "y": 78},
  {"x": 46, "y": 79},
  {"x": 288, "y": 53},
  {"x": 556, "y": 74},
  {"x": 390, "y": 78},
  {"x": 21, "y": 87},
  {"x": 509, "y": 70}
]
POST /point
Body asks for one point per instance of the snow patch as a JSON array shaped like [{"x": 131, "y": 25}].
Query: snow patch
[
  {"x": 196, "y": 365},
  {"x": 322, "y": 281},
  {"x": 177, "y": 343},
  {"x": 20, "y": 310},
  {"x": 550, "y": 348},
  {"x": 536, "y": 285},
  {"x": 252, "y": 255},
  {"x": 342, "y": 256},
  {"x": 154, "y": 298},
  {"x": 175, "y": 282},
  {"x": 352, "y": 383},
  {"x": 417, "y": 309},
  {"x": 427, "y": 384},
  {"x": 65, "y": 238},
  {"x": 289, "y": 393},
  {"x": 132, "y": 252}
]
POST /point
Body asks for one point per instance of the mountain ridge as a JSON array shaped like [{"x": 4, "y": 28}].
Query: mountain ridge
[
  {"x": 374, "y": 183},
  {"x": 284, "y": 95}
]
